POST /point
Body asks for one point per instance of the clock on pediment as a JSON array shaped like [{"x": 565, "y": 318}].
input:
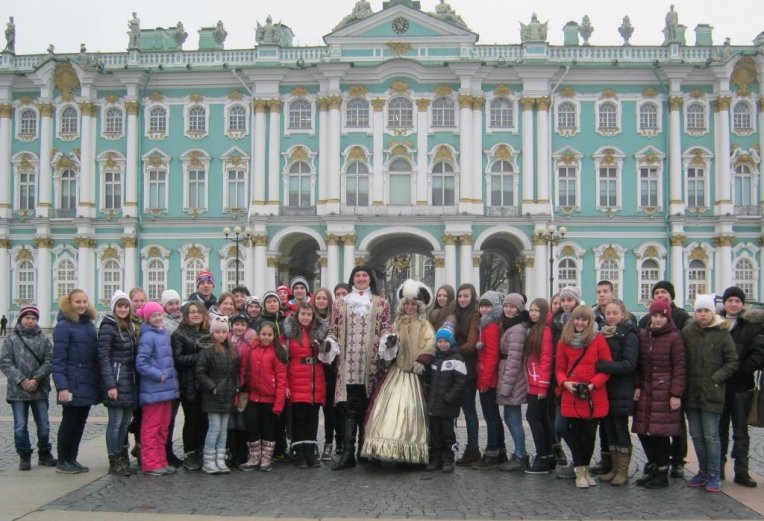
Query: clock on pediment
[{"x": 400, "y": 25}]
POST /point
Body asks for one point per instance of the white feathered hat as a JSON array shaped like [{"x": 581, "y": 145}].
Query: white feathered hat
[{"x": 414, "y": 290}]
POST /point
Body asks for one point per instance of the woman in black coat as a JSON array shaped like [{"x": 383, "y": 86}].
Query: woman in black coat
[
  {"x": 116, "y": 360},
  {"x": 622, "y": 338},
  {"x": 194, "y": 325}
]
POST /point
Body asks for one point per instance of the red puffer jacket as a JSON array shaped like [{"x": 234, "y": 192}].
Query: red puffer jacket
[
  {"x": 264, "y": 376},
  {"x": 585, "y": 372},
  {"x": 488, "y": 356},
  {"x": 306, "y": 373},
  {"x": 539, "y": 369}
]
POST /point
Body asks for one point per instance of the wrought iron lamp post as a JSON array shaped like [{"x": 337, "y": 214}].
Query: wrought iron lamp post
[
  {"x": 239, "y": 236},
  {"x": 553, "y": 236}
]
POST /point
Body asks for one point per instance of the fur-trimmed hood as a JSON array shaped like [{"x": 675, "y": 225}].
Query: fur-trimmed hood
[
  {"x": 292, "y": 328},
  {"x": 66, "y": 310},
  {"x": 750, "y": 315}
]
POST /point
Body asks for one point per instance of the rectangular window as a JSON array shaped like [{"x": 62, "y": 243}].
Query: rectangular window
[
  {"x": 648, "y": 187},
  {"x": 566, "y": 184},
  {"x": 696, "y": 188},
  {"x": 157, "y": 188},
  {"x": 112, "y": 190},
  {"x": 236, "y": 189},
  {"x": 299, "y": 190},
  {"x": 27, "y": 191},
  {"x": 357, "y": 191},
  {"x": 197, "y": 189},
  {"x": 400, "y": 189},
  {"x": 442, "y": 190},
  {"x": 608, "y": 187},
  {"x": 501, "y": 190}
]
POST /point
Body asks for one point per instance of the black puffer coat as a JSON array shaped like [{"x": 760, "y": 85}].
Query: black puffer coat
[
  {"x": 748, "y": 334},
  {"x": 448, "y": 378},
  {"x": 624, "y": 346},
  {"x": 186, "y": 353},
  {"x": 117, "y": 348},
  {"x": 218, "y": 377}
]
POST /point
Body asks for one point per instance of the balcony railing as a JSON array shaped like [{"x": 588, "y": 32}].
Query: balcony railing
[
  {"x": 502, "y": 211},
  {"x": 402, "y": 210},
  {"x": 748, "y": 211},
  {"x": 63, "y": 213},
  {"x": 296, "y": 211}
]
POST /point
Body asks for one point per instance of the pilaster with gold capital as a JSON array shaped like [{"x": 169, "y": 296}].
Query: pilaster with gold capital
[
  {"x": 332, "y": 239},
  {"x": 724, "y": 240},
  {"x": 478, "y": 102},
  {"x": 5, "y": 244},
  {"x": 260, "y": 239},
  {"x": 423, "y": 104},
  {"x": 128, "y": 241},
  {"x": 543, "y": 103},
  {"x": 88, "y": 108},
  {"x": 272, "y": 262},
  {"x": 539, "y": 240},
  {"x": 323, "y": 104},
  {"x": 324, "y": 260},
  {"x": 378, "y": 104},
  {"x": 530, "y": 262},
  {"x": 274, "y": 105},
  {"x": 131, "y": 107},
  {"x": 335, "y": 102},
  {"x": 675, "y": 102},
  {"x": 476, "y": 261},
  {"x": 6, "y": 110},
  {"x": 678, "y": 239},
  {"x": 42, "y": 242},
  {"x": 465, "y": 239},
  {"x": 722, "y": 103},
  {"x": 46, "y": 109},
  {"x": 348, "y": 238},
  {"x": 450, "y": 240},
  {"x": 440, "y": 262},
  {"x": 527, "y": 103},
  {"x": 260, "y": 105},
  {"x": 465, "y": 101}
]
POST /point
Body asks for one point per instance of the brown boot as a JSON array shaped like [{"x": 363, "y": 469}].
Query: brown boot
[
  {"x": 469, "y": 456},
  {"x": 604, "y": 466},
  {"x": 615, "y": 457},
  {"x": 581, "y": 481},
  {"x": 622, "y": 471}
]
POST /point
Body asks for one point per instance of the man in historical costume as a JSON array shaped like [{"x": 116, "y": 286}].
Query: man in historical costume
[{"x": 360, "y": 324}]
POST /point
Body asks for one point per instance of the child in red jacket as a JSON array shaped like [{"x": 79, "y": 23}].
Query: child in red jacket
[
  {"x": 584, "y": 397},
  {"x": 263, "y": 375}
]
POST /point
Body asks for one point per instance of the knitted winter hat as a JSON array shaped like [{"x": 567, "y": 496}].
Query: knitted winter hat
[
  {"x": 218, "y": 323},
  {"x": 281, "y": 288},
  {"x": 239, "y": 317},
  {"x": 299, "y": 280},
  {"x": 661, "y": 307},
  {"x": 516, "y": 300},
  {"x": 494, "y": 298},
  {"x": 733, "y": 291},
  {"x": 269, "y": 294},
  {"x": 571, "y": 292},
  {"x": 168, "y": 296},
  {"x": 205, "y": 276},
  {"x": 29, "y": 310},
  {"x": 117, "y": 296},
  {"x": 705, "y": 301},
  {"x": 664, "y": 284},
  {"x": 148, "y": 309},
  {"x": 446, "y": 332},
  {"x": 252, "y": 300}
]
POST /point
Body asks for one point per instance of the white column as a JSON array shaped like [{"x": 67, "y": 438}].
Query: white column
[
  {"x": 44, "y": 201},
  {"x": 527, "y": 150},
  {"x": 675, "y": 155},
  {"x": 271, "y": 270},
  {"x": 87, "y": 181},
  {"x": 323, "y": 155},
  {"x": 129, "y": 243},
  {"x": 677, "y": 268},
  {"x": 450, "y": 249},
  {"x": 722, "y": 155},
  {"x": 324, "y": 268},
  {"x": 6, "y": 112},
  {"x": 542, "y": 151},
  {"x": 260, "y": 266},
  {"x": 333, "y": 179},
  {"x": 540, "y": 268},
  {"x": 258, "y": 178},
  {"x": 5, "y": 267},
  {"x": 348, "y": 256},
  {"x": 130, "y": 206},
  {"x": 332, "y": 262},
  {"x": 723, "y": 261},
  {"x": 274, "y": 155},
  {"x": 476, "y": 255},
  {"x": 466, "y": 161},
  {"x": 477, "y": 155},
  {"x": 379, "y": 142},
  {"x": 421, "y": 153},
  {"x": 44, "y": 285},
  {"x": 249, "y": 265},
  {"x": 86, "y": 273},
  {"x": 465, "y": 259},
  {"x": 530, "y": 277},
  {"x": 440, "y": 270}
]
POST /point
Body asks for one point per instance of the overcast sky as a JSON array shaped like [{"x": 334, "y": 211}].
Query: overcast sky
[{"x": 102, "y": 24}]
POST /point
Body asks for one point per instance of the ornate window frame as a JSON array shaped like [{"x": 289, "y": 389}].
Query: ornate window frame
[
  {"x": 697, "y": 251},
  {"x": 446, "y": 155},
  {"x": 19, "y": 113},
  {"x": 25, "y": 163},
  {"x": 235, "y": 159},
  {"x": 21, "y": 255},
  {"x": 63, "y": 163},
  {"x": 198, "y": 253},
  {"x": 649, "y": 132},
  {"x": 747, "y": 251},
  {"x": 196, "y": 102},
  {"x": 701, "y": 102},
  {"x": 568, "y": 157},
  {"x": 302, "y": 96},
  {"x": 63, "y": 253},
  {"x": 508, "y": 96},
  {"x": 197, "y": 160},
  {"x": 750, "y": 159},
  {"x": 346, "y": 127},
  {"x": 502, "y": 152},
  {"x": 150, "y": 253},
  {"x": 567, "y": 131},
  {"x": 356, "y": 154},
  {"x": 294, "y": 155},
  {"x": 568, "y": 250},
  {"x": 109, "y": 253},
  {"x": 609, "y": 157},
  {"x": 105, "y": 132},
  {"x": 393, "y": 156},
  {"x": 697, "y": 158},
  {"x": 752, "y": 117},
  {"x": 610, "y": 252},
  {"x": 401, "y": 128},
  {"x": 68, "y": 136},
  {"x": 649, "y": 251},
  {"x": 454, "y": 126},
  {"x": 610, "y": 99},
  {"x": 158, "y": 160},
  {"x": 228, "y": 266},
  {"x": 237, "y": 101},
  {"x": 649, "y": 157},
  {"x": 154, "y": 102},
  {"x": 111, "y": 161}
]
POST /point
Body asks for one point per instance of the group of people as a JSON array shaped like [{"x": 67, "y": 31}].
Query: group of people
[{"x": 253, "y": 373}]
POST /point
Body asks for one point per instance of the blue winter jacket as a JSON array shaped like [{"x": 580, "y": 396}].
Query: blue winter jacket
[
  {"x": 75, "y": 355},
  {"x": 155, "y": 360}
]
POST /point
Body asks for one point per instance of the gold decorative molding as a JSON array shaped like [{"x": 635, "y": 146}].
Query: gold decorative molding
[
  {"x": 24, "y": 254},
  {"x": 465, "y": 239},
  {"x": 348, "y": 239},
  {"x": 439, "y": 262},
  {"x": 156, "y": 160},
  {"x": 131, "y": 107},
  {"x": 609, "y": 93},
  {"x": 88, "y": 108},
  {"x": 399, "y": 150},
  {"x": 65, "y": 78},
  {"x": 676, "y": 102},
  {"x": 400, "y": 87},
  {"x": 568, "y": 92},
  {"x": 357, "y": 90},
  {"x": 443, "y": 90},
  {"x": 357, "y": 153},
  {"x": 26, "y": 100},
  {"x": 650, "y": 93},
  {"x": 5, "y": 244},
  {"x": 697, "y": 94},
  {"x": 502, "y": 153},
  {"x": 129, "y": 241},
  {"x": 465, "y": 101},
  {"x": 539, "y": 240},
  {"x": 274, "y": 105},
  {"x": 530, "y": 262},
  {"x": 543, "y": 103},
  {"x": 378, "y": 104},
  {"x": 745, "y": 73},
  {"x": 400, "y": 48},
  {"x": 651, "y": 252},
  {"x": 299, "y": 91},
  {"x": 724, "y": 240},
  {"x": 568, "y": 251},
  {"x": 82, "y": 242},
  {"x": 422, "y": 104},
  {"x": 450, "y": 240},
  {"x": 42, "y": 242},
  {"x": 722, "y": 103},
  {"x": 360, "y": 261},
  {"x": 6, "y": 110},
  {"x": 698, "y": 253},
  {"x": 299, "y": 153},
  {"x": 25, "y": 163},
  {"x": 761, "y": 104},
  {"x": 527, "y": 103},
  {"x": 568, "y": 158},
  {"x": 651, "y": 158},
  {"x": 610, "y": 253},
  {"x": 698, "y": 158},
  {"x": 323, "y": 104},
  {"x": 235, "y": 95},
  {"x": 332, "y": 240},
  {"x": 64, "y": 163},
  {"x": 260, "y": 239},
  {"x": 476, "y": 261},
  {"x": 260, "y": 105},
  {"x": 502, "y": 90},
  {"x": 112, "y": 99},
  {"x": 478, "y": 102},
  {"x": 335, "y": 102},
  {"x": 46, "y": 109},
  {"x": 272, "y": 262},
  {"x": 444, "y": 154},
  {"x": 156, "y": 96},
  {"x": 194, "y": 252}
]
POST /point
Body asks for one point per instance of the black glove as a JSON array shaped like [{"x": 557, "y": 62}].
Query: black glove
[{"x": 392, "y": 339}]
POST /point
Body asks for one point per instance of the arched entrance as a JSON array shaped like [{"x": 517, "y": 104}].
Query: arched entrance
[
  {"x": 502, "y": 266},
  {"x": 299, "y": 256}
]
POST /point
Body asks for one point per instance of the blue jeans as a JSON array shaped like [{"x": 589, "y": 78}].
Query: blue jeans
[
  {"x": 21, "y": 421},
  {"x": 116, "y": 429},
  {"x": 513, "y": 417},
  {"x": 494, "y": 428},
  {"x": 217, "y": 432},
  {"x": 704, "y": 430},
  {"x": 470, "y": 413}
]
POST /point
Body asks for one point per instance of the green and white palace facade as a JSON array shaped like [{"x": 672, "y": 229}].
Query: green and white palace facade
[{"x": 402, "y": 143}]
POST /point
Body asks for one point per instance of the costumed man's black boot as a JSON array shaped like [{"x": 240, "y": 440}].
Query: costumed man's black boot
[{"x": 347, "y": 459}]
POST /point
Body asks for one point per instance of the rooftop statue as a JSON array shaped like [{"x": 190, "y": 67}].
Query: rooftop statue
[
  {"x": 180, "y": 35},
  {"x": 670, "y": 30},
  {"x": 586, "y": 29},
  {"x": 10, "y": 36},
  {"x": 445, "y": 12},
  {"x": 134, "y": 24},
  {"x": 534, "y": 32},
  {"x": 268, "y": 34},
  {"x": 626, "y": 30},
  {"x": 220, "y": 33},
  {"x": 361, "y": 10}
]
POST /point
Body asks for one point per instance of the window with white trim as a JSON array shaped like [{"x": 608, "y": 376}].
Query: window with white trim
[
  {"x": 237, "y": 118},
  {"x": 648, "y": 116},
  {"x": 27, "y": 190},
  {"x": 607, "y": 187},
  {"x": 607, "y": 116},
  {"x": 357, "y": 113},
  {"x": 231, "y": 267},
  {"x": 567, "y": 273},
  {"x": 566, "y": 116},
  {"x": 697, "y": 279},
  {"x": 743, "y": 182},
  {"x": 197, "y": 120},
  {"x": 190, "y": 269},
  {"x": 236, "y": 188},
  {"x": 745, "y": 277},
  {"x": 648, "y": 187},
  {"x": 742, "y": 121},
  {"x": 157, "y": 188},
  {"x": 443, "y": 113},
  {"x": 567, "y": 179},
  {"x": 610, "y": 269},
  {"x": 300, "y": 115},
  {"x": 299, "y": 181},
  {"x": 26, "y": 281},
  {"x": 70, "y": 120},
  {"x": 501, "y": 113},
  {"x": 114, "y": 122},
  {"x": 111, "y": 277},
  {"x": 649, "y": 275},
  {"x": 157, "y": 120},
  {"x": 27, "y": 124},
  {"x": 67, "y": 192},
  {"x": 357, "y": 184},
  {"x": 696, "y": 117},
  {"x": 196, "y": 188},
  {"x": 400, "y": 113},
  {"x": 443, "y": 184},
  {"x": 502, "y": 184},
  {"x": 696, "y": 187},
  {"x": 399, "y": 177},
  {"x": 66, "y": 277},
  {"x": 155, "y": 279},
  {"x": 112, "y": 189}
]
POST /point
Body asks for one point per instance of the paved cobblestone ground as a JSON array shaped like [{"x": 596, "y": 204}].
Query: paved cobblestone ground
[{"x": 384, "y": 491}]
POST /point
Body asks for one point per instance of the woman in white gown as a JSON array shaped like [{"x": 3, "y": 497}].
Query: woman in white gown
[{"x": 396, "y": 428}]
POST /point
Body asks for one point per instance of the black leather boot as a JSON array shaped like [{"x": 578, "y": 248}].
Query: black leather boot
[{"x": 347, "y": 459}]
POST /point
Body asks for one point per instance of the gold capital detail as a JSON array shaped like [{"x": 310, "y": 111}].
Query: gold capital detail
[
  {"x": 332, "y": 239},
  {"x": 82, "y": 242},
  {"x": 132, "y": 108},
  {"x": 530, "y": 262},
  {"x": 465, "y": 239},
  {"x": 360, "y": 261},
  {"x": 348, "y": 239},
  {"x": 476, "y": 261},
  {"x": 527, "y": 103},
  {"x": 724, "y": 240},
  {"x": 323, "y": 104},
  {"x": 46, "y": 109},
  {"x": 5, "y": 244},
  {"x": 378, "y": 104},
  {"x": 6, "y": 110},
  {"x": 88, "y": 108},
  {"x": 722, "y": 104},
  {"x": 650, "y": 93},
  {"x": 400, "y": 87},
  {"x": 450, "y": 240},
  {"x": 675, "y": 102},
  {"x": 422, "y": 104},
  {"x": 539, "y": 240},
  {"x": 465, "y": 101},
  {"x": 543, "y": 103},
  {"x": 275, "y": 105},
  {"x": 477, "y": 103},
  {"x": 272, "y": 262},
  {"x": 129, "y": 241},
  {"x": 260, "y": 105},
  {"x": 440, "y": 262},
  {"x": 42, "y": 242},
  {"x": 335, "y": 102}
]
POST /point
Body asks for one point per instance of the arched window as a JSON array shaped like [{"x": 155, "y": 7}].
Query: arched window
[
  {"x": 566, "y": 115},
  {"x": 28, "y": 123},
  {"x": 66, "y": 277},
  {"x": 111, "y": 273},
  {"x": 237, "y": 119},
  {"x": 158, "y": 120},
  {"x": 443, "y": 113},
  {"x": 696, "y": 187},
  {"x": 400, "y": 113},
  {"x": 25, "y": 287},
  {"x": 192, "y": 267},
  {"x": 69, "y": 121},
  {"x": 155, "y": 279},
  {"x": 501, "y": 113},
  {"x": 696, "y": 116},
  {"x": 299, "y": 181},
  {"x": 400, "y": 182},
  {"x": 502, "y": 184},
  {"x": 610, "y": 269},
  {"x": 357, "y": 113},
  {"x": 230, "y": 273},
  {"x": 649, "y": 275},
  {"x": 300, "y": 115},
  {"x": 357, "y": 184},
  {"x": 745, "y": 277},
  {"x": 567, "y": 273},
  {"x": 443, "y": 184},
  {"x": 697, "y": 281},
  {"x": 68, "y": 190},
  {"x": 741, "y": 117},
  {"x": 648, "y": 116},
  {"x": 114, "y": 121},
  {"x": 608, "y": 115},
  {"x": 744, "y": 187},
  {"x": 197, "y": 119}
]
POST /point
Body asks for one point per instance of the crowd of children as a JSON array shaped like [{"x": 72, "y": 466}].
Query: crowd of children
[{"x": 236, "y": 363}]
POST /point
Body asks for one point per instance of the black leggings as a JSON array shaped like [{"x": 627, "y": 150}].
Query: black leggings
[
  {"x": 304, "y": 423},
  {"x": 194, "y": 425},
  {"x": 330, "y": 413},
  {"x": 581, "y": 436},
  {"x": 657, "y": 449},
  {"x": 70, "y": 432},
  {"x": 541, "y": 429},
  {"x": 261, "y": 421}
]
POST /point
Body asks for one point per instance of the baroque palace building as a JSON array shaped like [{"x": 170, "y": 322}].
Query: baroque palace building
[{"x": 400, "y": 138}]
